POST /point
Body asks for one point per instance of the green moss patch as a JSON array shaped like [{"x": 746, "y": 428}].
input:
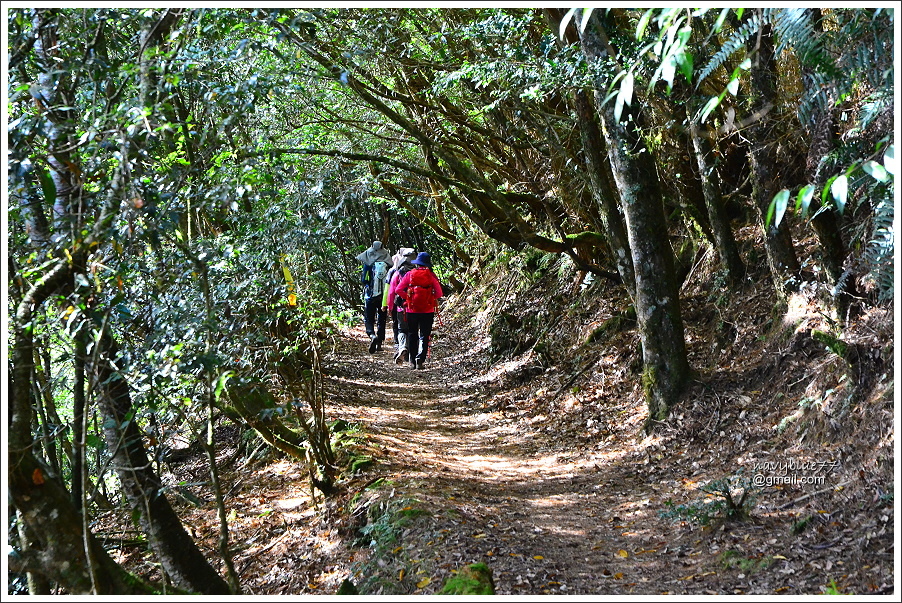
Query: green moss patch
[{"x": 474, "y": 579}]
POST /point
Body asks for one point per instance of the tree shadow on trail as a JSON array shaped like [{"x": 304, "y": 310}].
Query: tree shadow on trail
[
  {"x": 548, "y": 515},
  {"x": 497, "y": 490}
]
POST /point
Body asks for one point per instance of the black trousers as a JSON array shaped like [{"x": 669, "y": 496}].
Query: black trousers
[
  {"x": 419, "y": 329},
  {"x": 374, "y": 318}
]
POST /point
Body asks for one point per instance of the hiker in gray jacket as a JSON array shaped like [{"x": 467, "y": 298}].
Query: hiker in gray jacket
[{"x": 375, "y": 262}]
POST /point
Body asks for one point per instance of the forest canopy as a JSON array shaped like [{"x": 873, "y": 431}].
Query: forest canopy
[{"x": 187, "y": 189}]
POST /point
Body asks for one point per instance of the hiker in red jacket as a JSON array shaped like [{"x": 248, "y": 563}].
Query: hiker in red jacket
[{"x": 420, "y": 291}]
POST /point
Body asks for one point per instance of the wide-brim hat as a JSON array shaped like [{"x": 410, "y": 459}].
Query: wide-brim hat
[
  {"x": 403, "y": 256},
  {"x": 423, "y": 259}
]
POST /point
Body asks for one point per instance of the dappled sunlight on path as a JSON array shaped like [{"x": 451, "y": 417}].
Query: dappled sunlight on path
[
  {"x": 536, "y": 516},
  {"x": 557, "y": 490}
]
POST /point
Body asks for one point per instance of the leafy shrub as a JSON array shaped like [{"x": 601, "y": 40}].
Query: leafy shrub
[{"x": 733, "y": 502}]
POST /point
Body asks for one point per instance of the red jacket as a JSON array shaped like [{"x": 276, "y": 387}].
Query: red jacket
[{"x": 420, "y": 290}]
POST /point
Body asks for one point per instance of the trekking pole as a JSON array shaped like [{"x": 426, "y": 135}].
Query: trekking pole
[
  {"x": 439, "y": 316},
  {"x": 432, "y": 336}
]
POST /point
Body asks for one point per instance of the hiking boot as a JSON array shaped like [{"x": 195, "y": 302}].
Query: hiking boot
[
  {"x": 400, "y": 356},
  {"x": 420, "y": 363},
  {"x": 373, "y": 345}
]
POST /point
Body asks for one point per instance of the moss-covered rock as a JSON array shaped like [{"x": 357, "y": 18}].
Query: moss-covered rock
[
  {"x": 360, "y": 463},
  {"x": 473, "y": 579},
  {"x": 833, "y": 343},
  {"x": 619, "y": 322}
]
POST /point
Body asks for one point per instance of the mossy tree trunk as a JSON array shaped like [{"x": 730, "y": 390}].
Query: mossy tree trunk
[{"x": 656, "y": 296}]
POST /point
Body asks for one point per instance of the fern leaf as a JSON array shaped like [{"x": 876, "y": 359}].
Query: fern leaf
[{"x": 735, "y": 43}]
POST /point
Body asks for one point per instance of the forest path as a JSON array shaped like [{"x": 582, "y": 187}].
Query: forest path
[
  {"x": 495, "y": 462},
  {"x": 546, "y": 520}
]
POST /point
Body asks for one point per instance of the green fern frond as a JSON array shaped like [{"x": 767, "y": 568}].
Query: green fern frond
[
  {"x": 878, "y": 104},
  {"x": 880, "y": 251},
  {"x": 794, "y": 28},
  {"x": 735, "y": 43},
  {"x": 816, "y": 99}
]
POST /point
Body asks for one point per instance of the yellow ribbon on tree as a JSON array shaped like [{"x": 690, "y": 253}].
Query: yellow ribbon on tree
[{"x": 292, "y": 296}]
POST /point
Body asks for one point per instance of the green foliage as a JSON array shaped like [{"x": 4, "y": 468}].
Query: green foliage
[
  {"x": 386, "y": 520},
  {"x": 777, "y": 208},
  {"x": 473, "y": 579},
  {"x": 386, "y": 569},
  {"x": 700, "y": 512},
  {"x": 837, "y": 57},
  {"x": 879, "y": 255},
  {"x": 732, "y": 45},
  {"x": 801, "y": 525},
  {"x": 729, "y": 499},
  {"x": 833, "y": 589},
  {"x": 833, "y": 343}
]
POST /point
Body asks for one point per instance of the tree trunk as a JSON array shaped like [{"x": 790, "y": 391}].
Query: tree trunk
[
  {"x": 657, "y": 303},
  {"x": 717, "y": 215},
  {"x": 55, "y": 99},
  {"x": 601, "y": 188},
  {"x": 151, "y": 41},
  {"x": 656, "y": 296},
  {"x": 59, "y": 549},
  {"x": 78, "y": 420},
  {"x": 249, "y": 403},
  {"x": 38, "y": 584},
  {"x": 825, "y": 224},
  {"x": 176, "y": 550},
  {"x": 781, "y": 256}
]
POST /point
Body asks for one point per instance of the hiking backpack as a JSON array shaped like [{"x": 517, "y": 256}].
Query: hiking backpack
[
  {"x": 380, "y": 270},
  {"x": 400, "y": 272},
  {"x": 421, "y": 288}
]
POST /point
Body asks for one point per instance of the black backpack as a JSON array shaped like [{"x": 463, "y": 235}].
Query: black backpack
[{"x": 401, "y": 271}]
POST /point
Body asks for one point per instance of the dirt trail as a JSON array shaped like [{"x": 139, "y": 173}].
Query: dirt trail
[
  {"x": 545, "y": 521},
  {"x": 544, "y": 478},
  {"x": 486, "y": 478}
]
